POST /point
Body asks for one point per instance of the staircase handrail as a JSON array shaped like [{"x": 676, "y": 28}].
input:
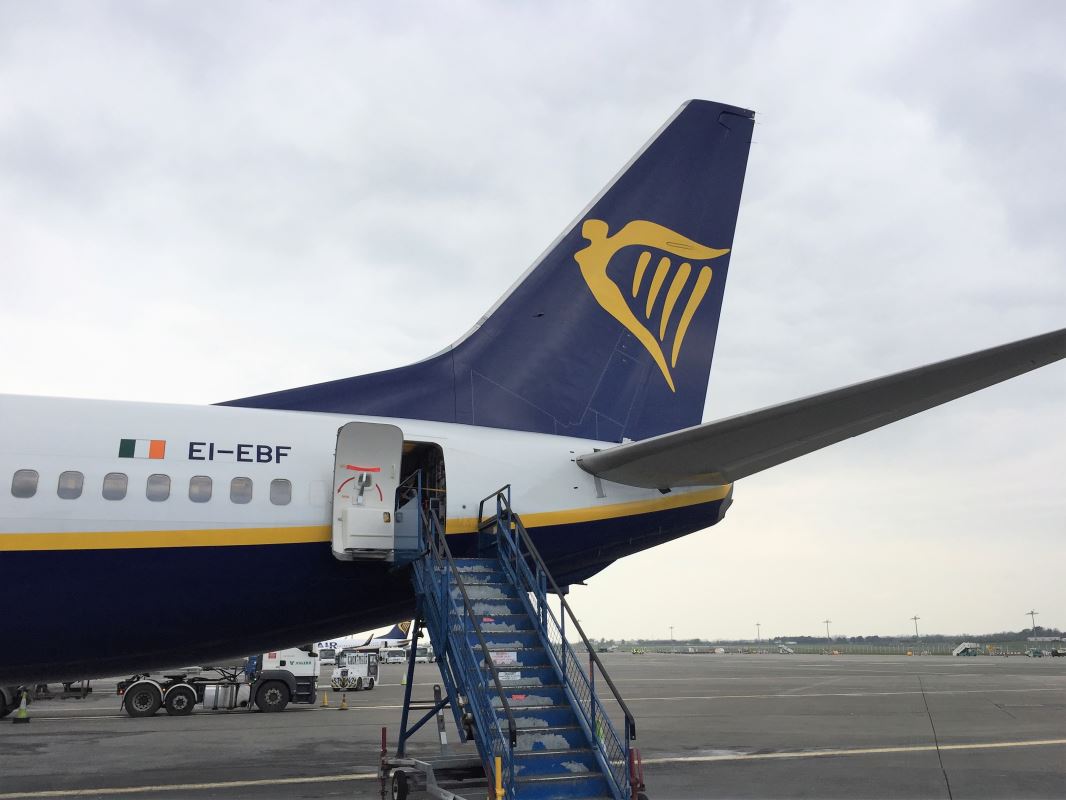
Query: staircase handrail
[
  {"x": 528, "y": 541},
  {"x": 617, "y": 772},
  {"x": 439, "y": 546}
]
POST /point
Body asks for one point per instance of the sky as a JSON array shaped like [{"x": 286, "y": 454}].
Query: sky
[{"x": 196, "y": 199}]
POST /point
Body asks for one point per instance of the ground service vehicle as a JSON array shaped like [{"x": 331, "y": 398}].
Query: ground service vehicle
[
  {"x": 422, "y": 654},
  {"x": 355, "y": 670},
  {"x": 393, "y": 655},
  {"x": 270, "y": 681}
]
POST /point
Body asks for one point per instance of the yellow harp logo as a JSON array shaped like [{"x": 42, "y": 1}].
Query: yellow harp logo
[{"x": 645, "y": 237}]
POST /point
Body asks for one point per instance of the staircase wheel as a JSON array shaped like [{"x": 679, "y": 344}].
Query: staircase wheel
[{"x": 401, "y": 786}]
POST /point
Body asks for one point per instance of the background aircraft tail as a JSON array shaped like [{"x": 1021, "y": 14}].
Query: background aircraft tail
[
  {"x": 401, "y": 631},
  {"x": 610, "y": 334}
]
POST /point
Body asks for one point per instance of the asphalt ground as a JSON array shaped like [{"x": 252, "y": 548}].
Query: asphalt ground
[{"x": 708, "y": 726}]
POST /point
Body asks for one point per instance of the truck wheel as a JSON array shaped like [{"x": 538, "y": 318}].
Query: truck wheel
[
  {"x": 272, "y": 696},
  {"x": 358, "y": 684},
  {"x": 370, "y": 683},
  {"x": 7, "y": 705},
  {"x": 142, "y": 700},
  {"x": 179, "y": 701}
]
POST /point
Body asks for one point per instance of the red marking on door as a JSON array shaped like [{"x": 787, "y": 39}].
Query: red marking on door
[{"x": 354, "y": 468}]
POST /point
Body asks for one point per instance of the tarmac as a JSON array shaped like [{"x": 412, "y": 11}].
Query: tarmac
[{"x": 708, "y": 726}]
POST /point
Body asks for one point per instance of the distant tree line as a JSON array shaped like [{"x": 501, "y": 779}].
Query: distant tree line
[{"x": 999, "y": 636}]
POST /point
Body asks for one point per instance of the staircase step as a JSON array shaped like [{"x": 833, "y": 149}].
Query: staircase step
[
  {"x": 507, "y": 657},
  {"x": 485, "y": 576},
  {"x": 505, "y": 640},
  {"x": 505, "y": 622},
  {"x": 561, "y": 786},
  {"x": 549, "y": 737},
  {"x": 518, "y": 675},
  {"x": 486, "y": 591},
  {"x": 532, "y": 697},
  {"x": 471, "y": 564},
  {"x": 509, "y": 606},
  {"x": 530, "y": 717},
  {"x": 572, "y": 760}
]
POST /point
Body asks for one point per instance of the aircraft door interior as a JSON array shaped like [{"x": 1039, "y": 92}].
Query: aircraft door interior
[
  {"x": 366, "y": 474},
  {"x": 423, "y": 465}
]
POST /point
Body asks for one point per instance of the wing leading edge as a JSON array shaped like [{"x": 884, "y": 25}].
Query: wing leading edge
[{"x": 724, "y": 451}]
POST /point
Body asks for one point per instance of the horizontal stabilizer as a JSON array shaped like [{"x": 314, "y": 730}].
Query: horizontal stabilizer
[{"x": 724, "y": 451}]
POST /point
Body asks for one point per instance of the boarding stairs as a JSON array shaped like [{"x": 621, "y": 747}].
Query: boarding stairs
[{"x": 530, "y": 701}]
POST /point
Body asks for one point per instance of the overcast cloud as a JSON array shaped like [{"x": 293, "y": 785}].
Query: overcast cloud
[{"x": 197, "y": 199}]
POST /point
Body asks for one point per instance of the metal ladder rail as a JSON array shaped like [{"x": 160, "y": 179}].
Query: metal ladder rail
[
  {"x": 443, "y": 567},
  {"x": 613, "y": 752}
]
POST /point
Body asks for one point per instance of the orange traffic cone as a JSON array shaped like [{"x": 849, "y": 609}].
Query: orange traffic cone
[
  {"x": 325, "y": 698},
  {"x": 22, "y": 715}
]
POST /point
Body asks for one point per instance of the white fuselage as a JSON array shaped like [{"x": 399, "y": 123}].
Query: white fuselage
[{"x": 235, "y": 557}]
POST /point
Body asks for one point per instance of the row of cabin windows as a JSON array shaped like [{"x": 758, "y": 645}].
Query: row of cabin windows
[{"x": 71, "y": 483}]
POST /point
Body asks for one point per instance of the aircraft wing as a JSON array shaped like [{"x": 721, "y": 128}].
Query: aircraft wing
[{"x": 724, "y": 451}]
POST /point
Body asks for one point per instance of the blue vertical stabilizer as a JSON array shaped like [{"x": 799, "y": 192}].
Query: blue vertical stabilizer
[{"x": 610, "y": 334}]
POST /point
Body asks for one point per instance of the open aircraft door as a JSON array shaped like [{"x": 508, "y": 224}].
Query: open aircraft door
[{"x": 365, "y": 476}]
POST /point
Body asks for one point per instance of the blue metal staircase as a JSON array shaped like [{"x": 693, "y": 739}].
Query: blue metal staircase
[{"x": 515, "y": 684}]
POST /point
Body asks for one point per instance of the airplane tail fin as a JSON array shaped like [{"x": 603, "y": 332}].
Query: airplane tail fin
[
  {"x": 610, "y": 334},
  {"x": 401, "y": 630}
]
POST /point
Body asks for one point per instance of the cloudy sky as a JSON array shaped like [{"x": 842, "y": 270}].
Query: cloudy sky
[{"x": 197, "y": 198}]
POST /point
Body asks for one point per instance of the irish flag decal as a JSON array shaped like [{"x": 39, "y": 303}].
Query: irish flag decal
[{"x": 142, "y": 448}]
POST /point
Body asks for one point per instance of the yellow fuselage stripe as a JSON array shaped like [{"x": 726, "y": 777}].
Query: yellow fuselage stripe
[
  {"x": 228, "y": 537},
  {"x": 596, "y": 513}
]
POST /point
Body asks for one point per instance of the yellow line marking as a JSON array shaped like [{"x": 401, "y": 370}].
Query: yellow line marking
[
  {"x": 864, "y": 751},
  {"x": 596, "y": 513},
  {"x": 122, "y": 540},
  {"x": 190, "y": 787}
]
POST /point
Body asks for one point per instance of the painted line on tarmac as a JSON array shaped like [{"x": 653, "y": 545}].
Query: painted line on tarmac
[
  {"x": 865, "y": 751},
  {"x": 838, "y": 694},
  {"x": 189, "y": 787},
  {"x": 82, "y": 714}
]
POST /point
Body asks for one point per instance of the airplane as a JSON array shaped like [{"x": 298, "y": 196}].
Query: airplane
[
  {"x": 397, "y": 636},
  {"x": 146, "y": 534}
]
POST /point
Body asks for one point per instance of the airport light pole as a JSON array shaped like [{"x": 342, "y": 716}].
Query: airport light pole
[
  {"x": 916, "y": 618},
  {"x": 758, "y": 632},
  {"x": 1032, "y": 615},
  {"x": 828, "y": 641},
  {"x": 671, "y": 633}
]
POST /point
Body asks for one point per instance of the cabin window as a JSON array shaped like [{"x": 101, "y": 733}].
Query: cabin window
[
  {"x": 115, "y": 484},
  {"x": 199, "y": 488},
  {"x": 24, "y": 483},
  {"x": 158, "y": 488},
  {"x": 280, "y": 492},
  {"x": 240, "y": 490},
  {"x": 70, "y": 485}
]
